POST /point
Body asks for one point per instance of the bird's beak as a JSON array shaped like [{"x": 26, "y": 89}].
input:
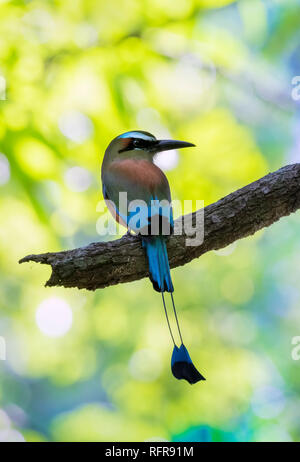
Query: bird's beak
[{"x": 166, "y": 145}]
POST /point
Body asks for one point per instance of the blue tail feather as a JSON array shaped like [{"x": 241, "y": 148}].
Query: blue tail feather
[
  {"x": 159, "y": 272},
  {"x": 182, "y": 366},
  {"x": 159, "y": 269}
]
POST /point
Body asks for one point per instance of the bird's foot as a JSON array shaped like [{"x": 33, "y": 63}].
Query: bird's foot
[{"x": 129, "y": 233}]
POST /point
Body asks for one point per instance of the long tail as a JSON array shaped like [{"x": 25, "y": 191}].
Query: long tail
[{"x": 160, "y": 276}]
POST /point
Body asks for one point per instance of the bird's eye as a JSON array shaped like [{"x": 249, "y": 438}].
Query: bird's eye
[{"x": 136, "y": 143}]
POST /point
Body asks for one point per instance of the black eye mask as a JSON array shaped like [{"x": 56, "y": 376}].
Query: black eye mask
[{"x": 139, "y": 143}]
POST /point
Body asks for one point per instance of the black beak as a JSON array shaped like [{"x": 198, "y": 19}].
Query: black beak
[{"x": 166, "y": 145}]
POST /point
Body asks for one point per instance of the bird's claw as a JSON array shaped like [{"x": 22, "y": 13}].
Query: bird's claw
[{"x": 129, "y": 233}]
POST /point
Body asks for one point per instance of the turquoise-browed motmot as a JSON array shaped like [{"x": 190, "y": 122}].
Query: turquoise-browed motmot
[{"x": 128, "y": 168}]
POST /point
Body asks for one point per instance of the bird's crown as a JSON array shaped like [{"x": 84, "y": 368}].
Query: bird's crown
[{"x": 138, "y": 134}]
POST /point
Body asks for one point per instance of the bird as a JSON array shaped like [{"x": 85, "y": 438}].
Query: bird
[{"x": 137, "y": 194}]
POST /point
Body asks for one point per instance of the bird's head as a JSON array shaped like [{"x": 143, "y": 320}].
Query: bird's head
[{"x": 141, "y": 144}]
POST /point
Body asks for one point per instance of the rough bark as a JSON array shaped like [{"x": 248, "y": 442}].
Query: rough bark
[{"x": 236, "y": 216}]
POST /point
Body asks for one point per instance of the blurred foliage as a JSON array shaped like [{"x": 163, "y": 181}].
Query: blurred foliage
[{"x": 95, "y": 366}]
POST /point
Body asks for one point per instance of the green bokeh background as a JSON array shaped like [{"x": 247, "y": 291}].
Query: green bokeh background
[{"x": 73, "y": 75}]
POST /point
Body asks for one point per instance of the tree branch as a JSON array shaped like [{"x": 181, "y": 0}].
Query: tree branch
[{"x": 237, "y": 215}]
